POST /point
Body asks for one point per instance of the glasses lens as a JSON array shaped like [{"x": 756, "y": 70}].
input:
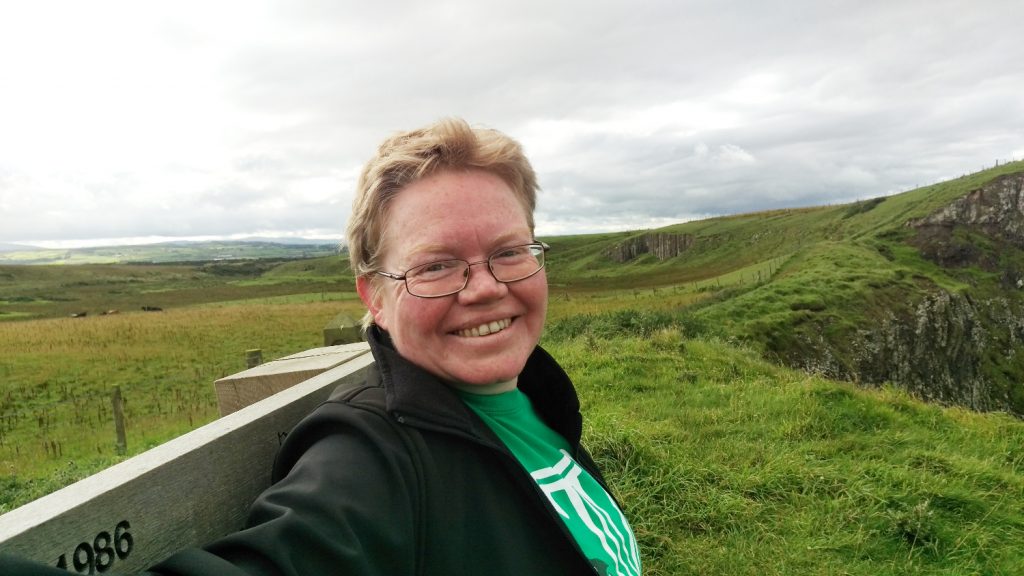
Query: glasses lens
[
  {"x": 446, "y": 277},
  {"x": 436, "y": 278},
  {"x": 517, "y": 262}
]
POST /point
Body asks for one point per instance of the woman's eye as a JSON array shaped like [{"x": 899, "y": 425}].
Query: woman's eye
[
  {"x": 436, "y": 269},
  {"x": 510, "y": 252}
]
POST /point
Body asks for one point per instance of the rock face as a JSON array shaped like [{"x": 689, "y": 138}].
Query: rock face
[
  {"x": 662, "y": 245},
  {"x": 938, "y": 353},
  {"x": 995, "y": 210}
]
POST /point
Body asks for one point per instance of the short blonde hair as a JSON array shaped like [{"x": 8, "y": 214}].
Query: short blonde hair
[{"x": 408, "y": 156}]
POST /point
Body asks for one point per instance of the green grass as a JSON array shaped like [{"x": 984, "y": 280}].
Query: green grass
[
  {"x": 729, "y": 465},
  {"x": 725, "y": 463},
  {"x": 52, "y": 291},
  {"x": 302, "y": 298}
]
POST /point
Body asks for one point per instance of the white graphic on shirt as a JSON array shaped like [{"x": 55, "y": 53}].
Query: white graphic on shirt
[{"x": 564, "y": 477}]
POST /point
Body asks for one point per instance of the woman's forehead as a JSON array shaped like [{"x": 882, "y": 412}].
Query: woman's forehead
[{"x": 454, "y": 212}]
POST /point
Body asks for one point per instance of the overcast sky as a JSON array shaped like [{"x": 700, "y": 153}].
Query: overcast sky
[{"x": 140, "y": 120}]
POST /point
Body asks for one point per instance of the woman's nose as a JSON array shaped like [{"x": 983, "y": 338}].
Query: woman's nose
[{"x": 481, "y": 285}]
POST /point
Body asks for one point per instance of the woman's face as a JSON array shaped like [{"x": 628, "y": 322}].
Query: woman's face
[{"x": 464, "y": 214}]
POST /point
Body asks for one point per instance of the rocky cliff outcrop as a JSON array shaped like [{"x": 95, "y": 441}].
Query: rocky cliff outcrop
[
  {"x": 662, "y": 245},
  {"x": 939, "y": 352},
  {"x": 995, "y": 210},
  {"x": 965, "y": 347}
]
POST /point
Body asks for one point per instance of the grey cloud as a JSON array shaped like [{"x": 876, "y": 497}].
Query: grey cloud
[{"x": 632, "y": 112}]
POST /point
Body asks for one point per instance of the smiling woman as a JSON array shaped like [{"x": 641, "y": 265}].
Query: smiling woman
[{"x": 460, "y": 454}]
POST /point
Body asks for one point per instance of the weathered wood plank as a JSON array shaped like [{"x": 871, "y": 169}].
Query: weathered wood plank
[
  {"x": 239, "y": 390},
  {"x": 186, "y": 492}
]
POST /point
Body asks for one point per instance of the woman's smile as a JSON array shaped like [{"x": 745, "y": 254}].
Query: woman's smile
[{"x": 486, "y": 328}]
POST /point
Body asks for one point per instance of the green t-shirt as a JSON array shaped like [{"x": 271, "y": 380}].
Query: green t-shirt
[{"x": 591, "y": 515}]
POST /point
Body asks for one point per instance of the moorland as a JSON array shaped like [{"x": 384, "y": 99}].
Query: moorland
[{"x": 826, "y": 390}]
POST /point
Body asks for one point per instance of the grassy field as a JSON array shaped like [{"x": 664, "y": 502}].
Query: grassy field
[
  {"x": 59, "y": 375},
  {"x": 727, "y": 464}
]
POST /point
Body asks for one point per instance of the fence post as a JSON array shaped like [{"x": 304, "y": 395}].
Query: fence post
[
  {"x": 253, "y": 358},
  {"x": 122, "y": 441}
]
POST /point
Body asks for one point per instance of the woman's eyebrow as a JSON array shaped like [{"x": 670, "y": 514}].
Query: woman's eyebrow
[
  {"x": 435, "y": 248},
  {"x": 427, "y": 249},
  {"x": 505, "y": 239}
]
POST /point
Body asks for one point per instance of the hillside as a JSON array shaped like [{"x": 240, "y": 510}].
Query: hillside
[
  {"x": 32, "y": 292},
  {"x": 7, "y": 247},
  {"x": 922, "y": 289}
]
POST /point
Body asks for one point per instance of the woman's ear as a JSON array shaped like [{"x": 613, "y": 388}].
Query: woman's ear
[{"x": 371, "y": 297}]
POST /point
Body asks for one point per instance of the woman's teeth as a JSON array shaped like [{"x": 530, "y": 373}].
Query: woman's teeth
[{"x": 485, "y": 329}]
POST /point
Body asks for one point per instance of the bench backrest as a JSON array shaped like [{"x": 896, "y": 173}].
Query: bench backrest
[{"x": 186, "y": 492}]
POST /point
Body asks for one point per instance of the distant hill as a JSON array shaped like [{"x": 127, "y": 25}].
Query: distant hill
[
  {"x": 6, "y": 247},
  {"x": 176, "y": 251}
]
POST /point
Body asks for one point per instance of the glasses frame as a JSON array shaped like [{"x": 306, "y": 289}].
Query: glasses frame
[{"x": 469, "y": 266}]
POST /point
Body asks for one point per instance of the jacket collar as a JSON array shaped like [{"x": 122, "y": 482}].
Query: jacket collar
[{"x": 413, "y": 393}]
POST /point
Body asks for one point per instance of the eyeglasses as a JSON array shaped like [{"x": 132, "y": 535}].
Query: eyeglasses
[{"x": 447, "y": 277}]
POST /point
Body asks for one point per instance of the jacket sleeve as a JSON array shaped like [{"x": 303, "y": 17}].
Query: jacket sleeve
[{"x": 345, "y": 504}]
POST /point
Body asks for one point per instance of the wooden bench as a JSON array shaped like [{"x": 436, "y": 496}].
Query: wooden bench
[{"x": 187, "y": 492}]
